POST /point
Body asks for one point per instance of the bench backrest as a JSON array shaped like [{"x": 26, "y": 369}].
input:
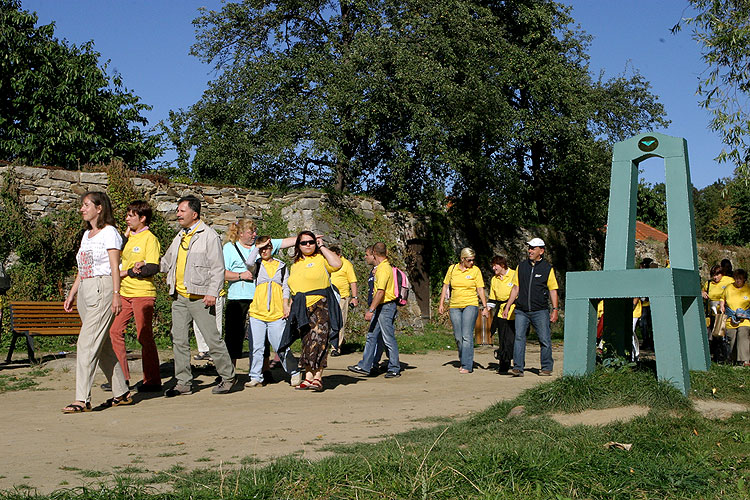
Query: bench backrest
[{"x": 36, "y": 316}]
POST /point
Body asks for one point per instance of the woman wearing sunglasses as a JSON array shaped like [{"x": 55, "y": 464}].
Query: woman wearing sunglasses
[
  {"x": 315, "y": 313},
  {"x": 463, "y": 282}
]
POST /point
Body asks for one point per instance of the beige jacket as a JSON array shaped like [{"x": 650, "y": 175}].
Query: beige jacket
[{"x": 204, "y": 267}]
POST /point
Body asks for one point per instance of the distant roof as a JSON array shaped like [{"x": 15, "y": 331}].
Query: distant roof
[{"x": 646, "y": 232}]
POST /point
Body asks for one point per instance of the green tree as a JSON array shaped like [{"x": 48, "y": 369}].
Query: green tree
[
  {"x": 488, "y": 102},
  {"x": 722, "y": 27},
  {"x": 58, "y": 106},
  {"x": 652, "y": 205}
]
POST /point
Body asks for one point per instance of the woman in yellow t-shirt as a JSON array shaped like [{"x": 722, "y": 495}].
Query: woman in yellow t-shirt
[
  {"x": 464, "y": 282},
  {"x": 737, "y": 298},
  {"x": 500, "y": 287},
  {"x": 311, "y": 272}
]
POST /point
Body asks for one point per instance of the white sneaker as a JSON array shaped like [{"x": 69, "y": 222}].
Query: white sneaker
[
  {"x": 296, "y": 379},
  {"x": 253, "y": 383}
]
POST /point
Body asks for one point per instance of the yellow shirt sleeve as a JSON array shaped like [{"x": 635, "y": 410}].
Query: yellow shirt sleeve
[
  {"x": 552, "y": 280},
  {"x": 515, "y": 276},
  {"x": 384, "y": 280}
]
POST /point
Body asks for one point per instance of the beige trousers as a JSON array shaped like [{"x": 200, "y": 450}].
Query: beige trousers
[
  {"x": 94, "y": 345},
  {"x": 344, "y": 303}
]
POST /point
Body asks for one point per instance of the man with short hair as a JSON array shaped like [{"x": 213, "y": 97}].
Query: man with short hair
[
  {"x": 381, "y": 314},
  {"x": 194, "y": 264},
  {"x": 534, "y": 285},
  {"x": 344, "y": 279}
]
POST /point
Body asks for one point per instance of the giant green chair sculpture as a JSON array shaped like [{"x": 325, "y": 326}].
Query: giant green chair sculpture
[{"x": 680, "y": 339}]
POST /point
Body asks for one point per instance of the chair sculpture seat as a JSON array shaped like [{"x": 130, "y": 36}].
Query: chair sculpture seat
[{"x": 680, "y": 337}]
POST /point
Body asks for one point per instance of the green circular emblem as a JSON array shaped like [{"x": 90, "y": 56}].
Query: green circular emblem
[{"x": 648, "y": 144}]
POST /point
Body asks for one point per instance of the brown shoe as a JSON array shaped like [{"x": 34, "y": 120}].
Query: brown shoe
[
  {"x": 545, "y": 373},
  {"x": 516, "y": 373}
]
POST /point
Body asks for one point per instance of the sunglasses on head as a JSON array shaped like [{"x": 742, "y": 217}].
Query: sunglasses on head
[{"x": 306, "y": 242}]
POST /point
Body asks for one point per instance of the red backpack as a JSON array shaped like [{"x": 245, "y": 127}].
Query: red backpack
[{"x": 401, "y": 286}]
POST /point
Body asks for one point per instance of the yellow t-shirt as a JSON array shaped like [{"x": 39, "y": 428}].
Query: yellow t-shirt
[
  {"x": 737, "y": 297},
  {"x": 310, "y": 273},
  {"x": 600, "y": 309},
  {"x": 716, "y": 290},
  {"x": 343, "y": 277},
  {"x": 141, "y": 247},
  {"x": 259, "y": 306},
  {"x": 637, "y": 309},
  {"x": 500, "y": 290},
  {"x": 464, "y": 285},
  {"x": 384, "y": 281},
  {"x": 180, "y": 265}
]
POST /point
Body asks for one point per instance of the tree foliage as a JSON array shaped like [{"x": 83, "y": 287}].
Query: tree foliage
[
  {"x": 722, "y": 27},
  {"x": 723, "y": 212},
  {"x": 488, "y": 102},
  {"x": 652, "y": 205},
  {"x": 58, "y": 106}
]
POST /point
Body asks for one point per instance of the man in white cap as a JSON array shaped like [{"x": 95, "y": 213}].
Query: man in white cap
[{"x": 534, "y": 286}]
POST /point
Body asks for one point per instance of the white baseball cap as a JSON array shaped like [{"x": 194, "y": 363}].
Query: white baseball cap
[{"x": 535, "y": 242}]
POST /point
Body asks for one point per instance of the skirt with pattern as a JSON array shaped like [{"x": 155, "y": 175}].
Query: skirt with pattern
[{"x": 315, "y": 338}]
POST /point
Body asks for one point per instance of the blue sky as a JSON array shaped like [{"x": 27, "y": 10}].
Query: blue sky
[{"x": 148, "y": 42}]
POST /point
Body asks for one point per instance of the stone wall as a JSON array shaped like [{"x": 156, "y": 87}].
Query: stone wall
[{"x": 46, "y": 190}]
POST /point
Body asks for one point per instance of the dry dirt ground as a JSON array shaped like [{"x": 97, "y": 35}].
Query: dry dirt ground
[
  {"x": 43, "y": 449},
  {"x": 46, "y": 450}
]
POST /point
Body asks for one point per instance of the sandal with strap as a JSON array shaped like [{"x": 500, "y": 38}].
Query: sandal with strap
[
  {"x": 77, "y": 408},
  {"x": 316, "y": 385},
  {"x": 123, "y": 400},
  {"x": 304, "y": 385}
]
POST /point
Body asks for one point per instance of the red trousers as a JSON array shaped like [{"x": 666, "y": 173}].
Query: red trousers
[{"x": 142, "y": 309}]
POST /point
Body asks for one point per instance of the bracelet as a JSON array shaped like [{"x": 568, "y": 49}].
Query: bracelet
[
  {"x": 353, "y": 298},
  {"x": 372, "y": 311},
  {"x": 117, "y": 292},
  {"x": 555, "y": 308}
]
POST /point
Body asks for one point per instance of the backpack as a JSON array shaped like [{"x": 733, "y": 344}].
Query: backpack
[{"x": 401, "y": 286}]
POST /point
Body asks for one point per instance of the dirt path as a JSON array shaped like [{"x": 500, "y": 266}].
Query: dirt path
[{"x": 45, "y": 449}]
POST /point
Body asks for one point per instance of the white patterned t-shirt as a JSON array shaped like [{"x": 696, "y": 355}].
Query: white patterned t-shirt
[{"x": 92, "y": 257}]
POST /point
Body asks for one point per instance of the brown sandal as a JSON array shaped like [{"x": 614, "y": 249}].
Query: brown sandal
[
  {"x": 77, "y": 408},
  {"x": 316, "y": 385},
  {"x": 123, "y": 400}
]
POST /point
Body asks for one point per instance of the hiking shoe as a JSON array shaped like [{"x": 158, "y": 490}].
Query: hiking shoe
[
  {"x": 296, "y": 379},
  {"x": 359, "y": 371},
  {"x": 178, "y": 390},
  {"x": 516, "y": 373},
  {"x": 545, "y": 373},
  {"x": 224, "y": 386},
  {"x": 392, "y": 374},
  {"x": 253, "y": 383},
  {"x": 203, "y": 356}
]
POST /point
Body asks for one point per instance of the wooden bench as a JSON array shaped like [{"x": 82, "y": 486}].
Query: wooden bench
[{"x": 29, "y": 319}]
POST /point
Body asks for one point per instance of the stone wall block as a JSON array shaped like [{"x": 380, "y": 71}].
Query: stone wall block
[
  {"x": 167, "y": 206},
  {"x": 94, "y": 177},
  {"x": 64, "y": 175}
]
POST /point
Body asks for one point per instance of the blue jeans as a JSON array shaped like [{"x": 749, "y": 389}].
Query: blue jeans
[
  {"x": 463, "y": 320},
  {"x": 382, "y": 330},
  {"x": 259, "y": 330},
  {"x": 540, "y": 320}
]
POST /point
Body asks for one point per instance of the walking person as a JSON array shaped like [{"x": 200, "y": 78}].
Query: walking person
[
  {"x": 463, "y": 282},
  {"x": 97, "y": 286},
  {"x": 138, "y": 295},
  {"x": 500, "y": 288},
  {"x": 268, "y": 314},
  {"x": 194, "y": 264},
  {"x": 735, "y": 303},
  {"x": 345, "y": 280},
  {"x": 381, "y": 313},
  {"x": 238, "y": 243},
  {"x": 534, "y": 287},
  {"x": 315, "y": 315}
]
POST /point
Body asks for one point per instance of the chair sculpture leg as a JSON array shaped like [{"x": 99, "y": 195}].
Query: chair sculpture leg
[
  {"x": 696, "y": 336},
  {"x": 580, "y": 337},
  {"x": 669, "y": 341}
]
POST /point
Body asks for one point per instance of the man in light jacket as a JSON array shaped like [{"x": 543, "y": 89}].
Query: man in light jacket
[{"x": 194, "y": 264}]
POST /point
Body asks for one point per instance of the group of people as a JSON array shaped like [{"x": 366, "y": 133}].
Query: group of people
[
  {"x": 726, "y": 296},
  {"x": 266, "y": 302},
  {"x": 518, "y": 298}
]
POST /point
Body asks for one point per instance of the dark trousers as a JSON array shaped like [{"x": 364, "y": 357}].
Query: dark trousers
[{"x": 235, "y": 319}]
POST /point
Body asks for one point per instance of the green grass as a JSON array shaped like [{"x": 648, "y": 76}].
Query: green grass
[
  {"x": 676, "y": 453},
  {"x": 22, "y": 382}
]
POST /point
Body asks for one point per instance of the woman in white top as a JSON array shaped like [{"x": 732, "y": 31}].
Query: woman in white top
[{"x": 97, "y": 285}]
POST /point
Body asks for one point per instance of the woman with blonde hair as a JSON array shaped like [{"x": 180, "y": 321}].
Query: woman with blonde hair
[
  {"x": 463, "y": 283},
  {"x": 97, "y": 286},
  {"x": 238, "y": 244}
]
